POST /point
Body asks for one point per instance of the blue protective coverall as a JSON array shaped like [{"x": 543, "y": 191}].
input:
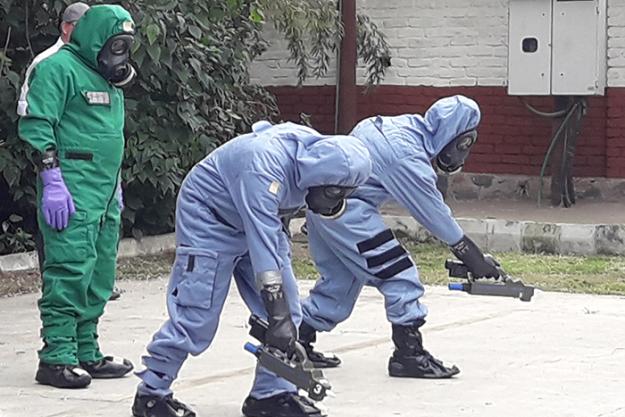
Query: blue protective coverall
[
  {"x": 228, "y": 214},
  {"x": 357, "y": 248}
]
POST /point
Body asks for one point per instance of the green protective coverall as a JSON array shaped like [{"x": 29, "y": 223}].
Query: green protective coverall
[{"x": 73, "y": 109}]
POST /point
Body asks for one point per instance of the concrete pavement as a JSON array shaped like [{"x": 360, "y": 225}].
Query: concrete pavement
[{"x": 561, "y": 355}]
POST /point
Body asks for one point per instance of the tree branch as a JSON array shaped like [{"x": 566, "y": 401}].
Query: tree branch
[
  {"x": 30, "y": 46},
  {"x": 4, "y": 52}
]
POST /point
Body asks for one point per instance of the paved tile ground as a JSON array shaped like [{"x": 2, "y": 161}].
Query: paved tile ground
[{"x": 559, "y": 356}]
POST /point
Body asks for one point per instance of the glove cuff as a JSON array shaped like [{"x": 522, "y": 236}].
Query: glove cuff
[
  {"x": 462, "y": 247},
  {"x": 267, "y": 279},
  {"x": 49, "y": 160},
  {"x": 275, "y": 302}
]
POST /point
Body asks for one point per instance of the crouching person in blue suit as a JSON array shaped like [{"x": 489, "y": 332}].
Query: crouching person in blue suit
[
  {"x": 358, "y": 249},
  {"x": 228, "y": 212}
]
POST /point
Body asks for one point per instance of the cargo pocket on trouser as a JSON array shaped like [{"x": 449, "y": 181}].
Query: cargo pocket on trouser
[
  {"x": 193, "y": 319},
  {"x": 70, "y": 245},
  {"x": 195, "y": 271},
  {"x": 69, "y": 262}
]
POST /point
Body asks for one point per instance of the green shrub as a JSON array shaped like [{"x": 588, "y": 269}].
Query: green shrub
[{"x": 192, "y": 92}]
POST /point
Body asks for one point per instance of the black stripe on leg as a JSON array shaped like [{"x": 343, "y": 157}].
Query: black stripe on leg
[
  {"x": 392, "y": 253},
  {"x": 191, "y": 263},
  {"x": 394, "y": 269},
  {"x": 376, "y": 241}
]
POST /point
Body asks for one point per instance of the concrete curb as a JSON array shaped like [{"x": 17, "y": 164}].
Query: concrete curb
[
  {"x": 527, "y": 236},
  {"x": 494, "y": 235},
  {"x": 497, "y": 235},
  {"x": 149, "y": 245},
  {"x": 128, "y": 248}
]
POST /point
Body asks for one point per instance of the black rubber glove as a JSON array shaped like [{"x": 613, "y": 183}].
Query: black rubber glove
[
  {"x": 281, "y": 333},
  {"x": 470, "y": 254}
]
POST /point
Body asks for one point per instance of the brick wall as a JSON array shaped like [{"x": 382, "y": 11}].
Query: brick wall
[
  {"x": 448, "y": 47},
  {"x": 510, "y": 142},
  {"x": 615, "y": 132}
]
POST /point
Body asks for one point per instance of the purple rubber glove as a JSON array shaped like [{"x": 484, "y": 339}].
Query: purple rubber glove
[
  {"x": 120, "y": 197},
  {"x": 57, "y": 204}
]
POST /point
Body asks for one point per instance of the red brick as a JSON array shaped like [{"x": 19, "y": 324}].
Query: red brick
[
  {"x": 483, "y": 148},
  {"x": 595, "y": 161},
  {"x": 533, "y": 149},
  {"x": 599, "y": 149},
  {"x": 476, "y": 159},
  {"x": 515, "y": 159},
  {"x": 508, "y": 149}
]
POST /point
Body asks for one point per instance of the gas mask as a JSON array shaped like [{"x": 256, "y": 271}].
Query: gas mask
[
  {"x": 114, "y": 60},
  {"x": 451, "y": 159},
  {"x": 328, "y": 200}
]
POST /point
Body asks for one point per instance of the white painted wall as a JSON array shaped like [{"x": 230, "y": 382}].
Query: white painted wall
[
  {"x": 441, "y": 43},
  {"x": 616, "y": 43}
]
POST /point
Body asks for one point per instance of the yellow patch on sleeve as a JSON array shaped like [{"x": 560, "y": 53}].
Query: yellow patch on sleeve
[{"x": 274, "y": 187}]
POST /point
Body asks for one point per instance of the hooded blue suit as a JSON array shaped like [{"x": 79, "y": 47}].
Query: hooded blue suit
[
  {"x": 228, "y": 212},
  {"x": 357, "y": 248}
]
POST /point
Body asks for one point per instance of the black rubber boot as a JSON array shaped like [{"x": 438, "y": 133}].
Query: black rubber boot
[
  {"x": 153, "y": 406},
  {"x": 115, "y": 294},
  {"x": 281, "y": 405},
  {"x": 108, "y": 368},
  {"x": 62, "y": 376},
  {"x": 308, "y": 336},
  {"x": 410, "y": 360}
]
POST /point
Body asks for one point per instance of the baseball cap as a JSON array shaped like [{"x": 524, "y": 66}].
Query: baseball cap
[{"x": 74, "y": 11}]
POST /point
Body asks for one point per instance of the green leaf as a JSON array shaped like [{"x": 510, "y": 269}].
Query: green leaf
[
  {"x": 154, "y": 51},
  {"x": 14, "y": 218},
  {"x": 152, "y": 32},
  {"x": 257, "y": 16},
  {"x": 14, "y": 78},
  {"x": 195, "y": 31},
  {"x": 196, "y": 65}
]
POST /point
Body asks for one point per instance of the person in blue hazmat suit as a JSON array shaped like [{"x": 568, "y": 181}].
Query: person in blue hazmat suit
[
  {"x": 228, "y": 212},
  {"x": 358, "y": 249}
]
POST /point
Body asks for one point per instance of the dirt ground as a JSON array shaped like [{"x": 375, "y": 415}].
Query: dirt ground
[{"x": 22, "y": 282}]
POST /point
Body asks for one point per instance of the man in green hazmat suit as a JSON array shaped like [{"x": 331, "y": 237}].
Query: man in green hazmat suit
[{"x": 74, "y": 119}]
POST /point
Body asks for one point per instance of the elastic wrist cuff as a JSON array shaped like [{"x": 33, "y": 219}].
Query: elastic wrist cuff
[
  {"x": 267, "y": 278},
  {"x": 49, "y": 160}
]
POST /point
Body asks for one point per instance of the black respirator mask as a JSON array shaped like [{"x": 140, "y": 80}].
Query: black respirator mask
[
  {"x": 114, "y": 60},
  {"x": 451, "y": 159},
  {"x": 328, "y": 200}
]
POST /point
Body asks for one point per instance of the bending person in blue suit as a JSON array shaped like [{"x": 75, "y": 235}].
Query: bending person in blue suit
[
  {"x": 228, "y": 212},
  {"x": 358, "y": 249}
]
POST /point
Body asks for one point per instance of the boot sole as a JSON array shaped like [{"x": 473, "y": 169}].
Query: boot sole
[
  {"x": 44, "y": 381},
  {"x": 107, "y": 375},
  {"x": 273, "y": 415},
  {"x": 400, "y": 372},
  {"x": 110, "y": 376}
]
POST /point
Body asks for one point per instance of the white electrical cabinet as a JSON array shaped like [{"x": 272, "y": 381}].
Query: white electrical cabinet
[{"x": 557, "y": 47}]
